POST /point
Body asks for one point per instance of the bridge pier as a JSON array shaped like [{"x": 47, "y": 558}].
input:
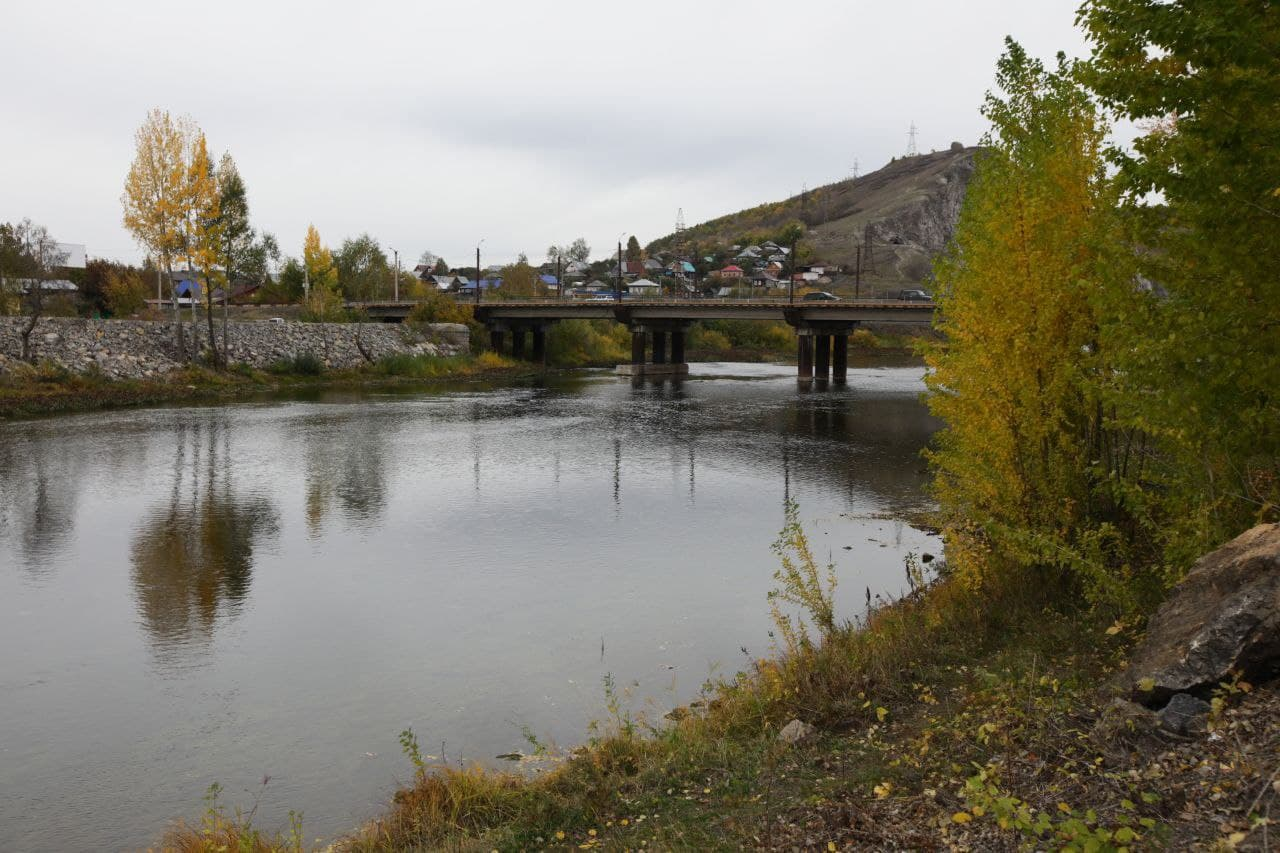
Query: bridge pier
[
  {"x": 656, "y": 334},
  {"x": 521, "y": 332},
  {"x": 540, "y": 344},
  {"x": 659, "y": 347},
  {"x": 804, "y": 354},
  {"x": 821, "y": 356},
  {"x": 822, "y": 349},
  {"x": 840, "y": 359}
]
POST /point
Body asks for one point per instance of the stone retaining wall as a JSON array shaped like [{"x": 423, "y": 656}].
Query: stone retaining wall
[{"x": 131, "y": 349}]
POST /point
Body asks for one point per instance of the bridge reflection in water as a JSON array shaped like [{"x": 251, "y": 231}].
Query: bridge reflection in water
[{"x": 658, "y": 328}]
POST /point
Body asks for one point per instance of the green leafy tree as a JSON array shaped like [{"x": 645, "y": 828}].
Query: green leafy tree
[
  {"x": 519, "y": 281},
  {"x": 1016, "y": 467},
  {"x": 1198, "y": 341},
  {"x": 634, "y": 252},
  {"x": 124, "y": 290},
  {"x": 363, "y": 269},
  {"x": 260, "y": 259}
]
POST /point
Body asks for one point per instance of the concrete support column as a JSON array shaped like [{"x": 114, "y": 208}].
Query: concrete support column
[
  {"x": 677, "y": 346},
  {"x": 821, "y": 355},
  {"x": 637, "y": 347},
  {"x": 840, "y": 358},
  {"x": 659, "y": 347},
  {"x": 804, "y": 356},
  {"x": 517, "y": 343},
  {"x": 540, "y": 344},
  {"x": 495, "y": 340}
]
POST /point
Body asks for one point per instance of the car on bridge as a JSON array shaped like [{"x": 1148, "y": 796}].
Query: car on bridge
[
  {"x": 914, "y": 296},
  {"x": 820, "y": 296}
]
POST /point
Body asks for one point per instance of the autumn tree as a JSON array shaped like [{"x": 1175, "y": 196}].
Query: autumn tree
[
  {"x": 323, "y": 298},
  {"x": 1017, "y": 469},
  {"x": 155, "y": 196},
  {"x": 1198, "y": 333},
  {"x": 203, "y": 227}
]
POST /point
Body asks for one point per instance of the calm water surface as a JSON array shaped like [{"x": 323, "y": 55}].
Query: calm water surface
[{"x": 278, "y": 588}]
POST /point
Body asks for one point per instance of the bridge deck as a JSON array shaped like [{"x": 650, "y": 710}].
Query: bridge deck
[{"x": 639, "y": 310}]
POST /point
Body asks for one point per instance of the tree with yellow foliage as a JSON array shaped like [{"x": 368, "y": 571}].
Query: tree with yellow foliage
[
  {"x": 1017, "y": 469},
  {"x": 203, "y": 226},
  {"x": 155, "y": 195},
  {"x": 323, "y": 298}
]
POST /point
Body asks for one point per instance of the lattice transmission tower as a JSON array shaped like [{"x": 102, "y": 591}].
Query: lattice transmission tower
[{"x": 912, "y": 151}]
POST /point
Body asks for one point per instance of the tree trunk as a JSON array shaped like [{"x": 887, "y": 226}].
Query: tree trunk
[
  {"x": 177, "y": 313},
  {"x": 226, "y": 297},
  {"x": 208, "y": 315},
  {"x": 36, "y": 305}
]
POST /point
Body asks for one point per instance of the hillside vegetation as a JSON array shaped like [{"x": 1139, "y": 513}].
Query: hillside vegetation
[{"x": 901, "y": 216}]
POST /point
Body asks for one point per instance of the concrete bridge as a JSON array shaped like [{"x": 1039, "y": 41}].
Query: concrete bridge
[{"x": 658, "y": 327}]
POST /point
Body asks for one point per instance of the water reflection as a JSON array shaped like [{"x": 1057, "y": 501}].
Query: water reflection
[
  {"x": 192, "y": 557},
  {"x": 39, "y": 493},
  {"x": 345, "y": 467}
]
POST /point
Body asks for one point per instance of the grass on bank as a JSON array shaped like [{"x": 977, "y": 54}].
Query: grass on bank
[{"x": 953, "y": 716}]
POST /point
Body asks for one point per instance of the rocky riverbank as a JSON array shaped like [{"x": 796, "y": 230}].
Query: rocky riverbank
[{"x": 143, "y": 349}]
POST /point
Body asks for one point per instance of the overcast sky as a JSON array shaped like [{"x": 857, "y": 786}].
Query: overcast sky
[{"x": 433, "y": 125}]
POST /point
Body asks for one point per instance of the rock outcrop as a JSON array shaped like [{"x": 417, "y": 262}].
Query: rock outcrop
[
  {"x": 1222, "y": 619},
  {"x": 134, "y": 349}
]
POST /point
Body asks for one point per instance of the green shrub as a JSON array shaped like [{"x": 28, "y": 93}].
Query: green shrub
[
  {"x": 302, "y": 364},
  {"x": 572, "y": 343}
]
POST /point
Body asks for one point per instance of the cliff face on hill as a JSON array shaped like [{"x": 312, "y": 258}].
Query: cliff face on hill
[{"x": 900, "y": 217}]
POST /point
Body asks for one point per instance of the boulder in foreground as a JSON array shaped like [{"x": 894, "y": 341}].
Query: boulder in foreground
[{"x": 1223, "y": 618}]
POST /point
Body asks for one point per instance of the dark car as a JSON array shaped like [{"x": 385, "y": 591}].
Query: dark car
[
  {"x": 820, "y": 296},
  {"x": 914, "y": 296}
]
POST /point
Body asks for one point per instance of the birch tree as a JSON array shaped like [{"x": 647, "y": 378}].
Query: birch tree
[{"x": 155, "y": 194}]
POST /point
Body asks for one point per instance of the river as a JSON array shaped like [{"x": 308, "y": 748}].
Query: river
[{"x": 278, "y": 587}]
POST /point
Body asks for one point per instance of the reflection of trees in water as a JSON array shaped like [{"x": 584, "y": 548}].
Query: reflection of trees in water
[
  {"x": 193, "y": 557},
  {"x": 40, "y": 482},
  {"x": 346, "y": 468}
]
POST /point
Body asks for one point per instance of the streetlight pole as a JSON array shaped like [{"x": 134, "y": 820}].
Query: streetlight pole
[
  {"x": 478, "y": 245},
  {"x": 396, "y": 292},
  {"x": 620, "y": 236}
]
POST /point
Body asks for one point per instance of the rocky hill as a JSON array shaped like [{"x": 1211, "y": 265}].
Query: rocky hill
[{"x": 900, "y": 216}]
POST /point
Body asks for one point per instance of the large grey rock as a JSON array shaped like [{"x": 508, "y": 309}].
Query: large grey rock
[
  {"x": 1223, "y": 617},
  {"x": 1185, "y": 714},
  {"x": 795, "y": 731}
]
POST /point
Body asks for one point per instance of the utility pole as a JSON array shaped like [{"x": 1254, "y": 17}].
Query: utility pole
[
  {"x": 478, "y": 272},
  {"x": 791, "y": 264},
  {"x": 858, "y": 274},
  {"x": 619, "y": 269},
  {"x": 559, "y": 279},
  {"x": 396, "y": 291}
]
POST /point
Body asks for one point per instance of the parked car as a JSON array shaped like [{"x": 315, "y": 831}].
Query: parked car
[
  {"x": 820, "y": 296},
  {"x": 277, "y": 319},
  {"x": 914, "y": 296}
]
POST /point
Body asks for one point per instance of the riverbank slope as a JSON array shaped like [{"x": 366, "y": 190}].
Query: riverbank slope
[{"x": 951, "y": 719}]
